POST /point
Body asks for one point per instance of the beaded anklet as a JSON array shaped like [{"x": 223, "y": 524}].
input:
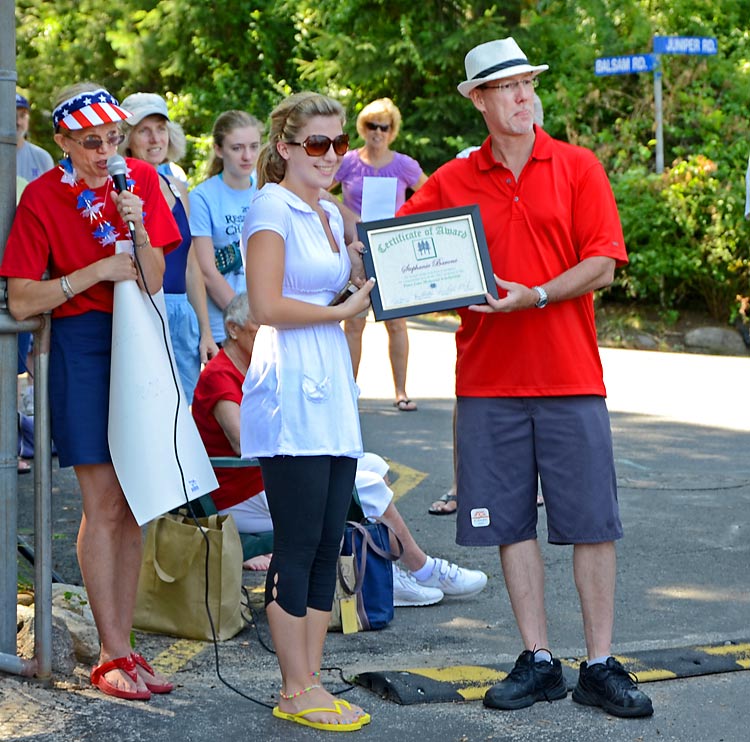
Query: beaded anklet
[
  {"x": 315, "y": 674},
  {"x": 298, "y": 693}
]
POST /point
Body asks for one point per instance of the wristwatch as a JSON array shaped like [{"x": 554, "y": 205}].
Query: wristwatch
[{"x": 543, "y": 298}]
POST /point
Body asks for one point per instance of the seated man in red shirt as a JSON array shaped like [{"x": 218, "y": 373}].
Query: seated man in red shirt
[{"x": 216, "y": 409}]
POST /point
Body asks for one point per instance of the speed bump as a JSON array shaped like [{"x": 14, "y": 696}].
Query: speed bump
[{"x": 470, "y": 682}]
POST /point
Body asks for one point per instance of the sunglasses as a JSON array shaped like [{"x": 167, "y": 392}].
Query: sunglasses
[
  {"x": 316, "y": 145},
  {"x": 114, "y": 139},
  {"x": 372, "y": 126}
]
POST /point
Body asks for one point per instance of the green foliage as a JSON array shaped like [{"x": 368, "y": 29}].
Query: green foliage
[
  {"x": 362, "y": 50},
  {"x": 684, "y": 234},
  {"x": 75, "y": 600},
  {"x": 213, "y": 56},
  {"x": 685, "y": 230},
  {"x": 58, "y": 44}
]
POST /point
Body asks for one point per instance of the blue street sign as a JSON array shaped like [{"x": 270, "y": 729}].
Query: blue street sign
[
  {"x": 624, "y": 65},
  {"x": 685, "y": 45}
]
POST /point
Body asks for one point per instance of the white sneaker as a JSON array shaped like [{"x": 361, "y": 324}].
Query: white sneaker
[
  {"x": 407, "y": 591},
  {"x": 454, "y": 580}
]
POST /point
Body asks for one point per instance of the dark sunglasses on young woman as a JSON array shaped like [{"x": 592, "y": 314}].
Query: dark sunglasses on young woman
[
  {"x": 114, "y": 139},
  {"x": 372, "y": 126},
  {"x": 316, "y": 145}
]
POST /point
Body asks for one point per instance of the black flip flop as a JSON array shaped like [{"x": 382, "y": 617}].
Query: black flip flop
[{"x": 446, "y": 498}]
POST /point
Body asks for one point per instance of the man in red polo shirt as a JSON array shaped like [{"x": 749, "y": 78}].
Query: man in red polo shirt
[{"x": 529, "y": 383}]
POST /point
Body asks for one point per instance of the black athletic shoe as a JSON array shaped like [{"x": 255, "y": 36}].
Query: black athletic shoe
[
  {"x": 611, "y": 687},
  {"x": 528, "y": 682}
]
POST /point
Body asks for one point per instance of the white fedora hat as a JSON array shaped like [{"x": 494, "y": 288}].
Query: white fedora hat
[{"x": 495, "y": 60}]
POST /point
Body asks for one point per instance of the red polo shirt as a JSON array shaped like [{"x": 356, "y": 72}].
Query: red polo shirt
[{"x": 560, "y": 211}]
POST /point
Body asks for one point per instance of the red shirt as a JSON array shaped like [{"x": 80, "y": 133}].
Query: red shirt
[
  {"x": 49, "y": 232},
  {"x": 219, "y": 380},
  {"x": 560, "y": 211}
]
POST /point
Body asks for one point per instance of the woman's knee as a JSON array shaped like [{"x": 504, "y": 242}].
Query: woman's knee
[
  {"x": 103, "y": 498},
  {"x": 355, "y": 326},
  {"x": 396, "y": 326}
]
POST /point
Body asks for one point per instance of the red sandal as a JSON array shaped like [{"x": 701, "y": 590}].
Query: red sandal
[
  {"x": 153, "y": 687},
  {"x": 127, "y": 665}
]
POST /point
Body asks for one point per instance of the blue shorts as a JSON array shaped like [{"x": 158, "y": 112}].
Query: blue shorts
[
  {"x": 186, "y": 338},
  {"x": 507, "y": 445},
  {"x": 79, "y": 364}
]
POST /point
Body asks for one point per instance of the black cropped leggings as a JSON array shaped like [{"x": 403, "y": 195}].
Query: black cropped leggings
[{"x": 308, "y": 497}]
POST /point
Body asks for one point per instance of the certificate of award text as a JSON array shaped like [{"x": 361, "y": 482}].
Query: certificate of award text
[{"x": 427, "y": 262}]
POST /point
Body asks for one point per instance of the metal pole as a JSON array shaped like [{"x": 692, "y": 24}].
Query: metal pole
[
  {"x": 8, "y": 490},
  {"x": 659, "y": 116},
  {"x": 9, "y": 661},
  {"x": 8, "y": 343},
  {"x": 42, "y": 505}
]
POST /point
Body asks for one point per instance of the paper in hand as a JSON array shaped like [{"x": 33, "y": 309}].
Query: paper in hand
[{"x": 378, "y": 198}]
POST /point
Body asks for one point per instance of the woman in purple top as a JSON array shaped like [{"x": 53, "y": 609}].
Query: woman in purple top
[{"x": 378, "y": 124}]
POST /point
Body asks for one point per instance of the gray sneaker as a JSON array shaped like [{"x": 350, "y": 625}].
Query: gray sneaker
[{"x": 407, "y": 591}]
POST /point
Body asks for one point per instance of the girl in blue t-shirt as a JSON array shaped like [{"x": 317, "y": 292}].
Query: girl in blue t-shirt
[{"x": 218, "y": 207}]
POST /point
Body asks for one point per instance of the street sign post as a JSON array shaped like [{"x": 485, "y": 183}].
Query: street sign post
[{"x": 635, "y": 63}]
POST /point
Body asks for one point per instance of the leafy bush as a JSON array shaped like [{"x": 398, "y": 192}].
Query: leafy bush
[{"x": 685, "y": 236}]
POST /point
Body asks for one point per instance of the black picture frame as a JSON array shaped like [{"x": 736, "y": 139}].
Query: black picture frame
[{"x": 428, "y": 262}]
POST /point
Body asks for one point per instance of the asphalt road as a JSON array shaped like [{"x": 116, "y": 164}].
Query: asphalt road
[{"x": 681, "y": 441}]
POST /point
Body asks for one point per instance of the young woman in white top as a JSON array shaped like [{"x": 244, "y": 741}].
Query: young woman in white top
[{"x": 299, "y": 410}]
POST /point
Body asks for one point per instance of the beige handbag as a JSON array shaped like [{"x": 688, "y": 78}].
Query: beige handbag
[{"x": 172, "y": 583}]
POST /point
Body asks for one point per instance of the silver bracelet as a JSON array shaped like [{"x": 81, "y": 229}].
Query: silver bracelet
[
  {"x": 145, "y": 243},
  {"x": 66, "y": 288}
]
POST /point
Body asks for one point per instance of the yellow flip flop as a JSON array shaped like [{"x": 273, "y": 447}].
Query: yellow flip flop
[
  {"x": 363, "y": 718},
  {"x": 299, "y": 718}
]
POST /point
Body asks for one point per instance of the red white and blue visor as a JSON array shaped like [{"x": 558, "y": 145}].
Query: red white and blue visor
[{"x": 91, "y": 108}]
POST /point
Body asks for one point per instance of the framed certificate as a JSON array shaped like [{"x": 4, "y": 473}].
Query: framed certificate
[{"x": 427, "y": 262}]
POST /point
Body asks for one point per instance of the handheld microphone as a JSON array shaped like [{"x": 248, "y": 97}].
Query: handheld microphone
[{"x": 117, "y": 169}]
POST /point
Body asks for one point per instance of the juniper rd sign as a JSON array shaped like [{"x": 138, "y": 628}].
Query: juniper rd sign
[{"x": 705, "y": 45}]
